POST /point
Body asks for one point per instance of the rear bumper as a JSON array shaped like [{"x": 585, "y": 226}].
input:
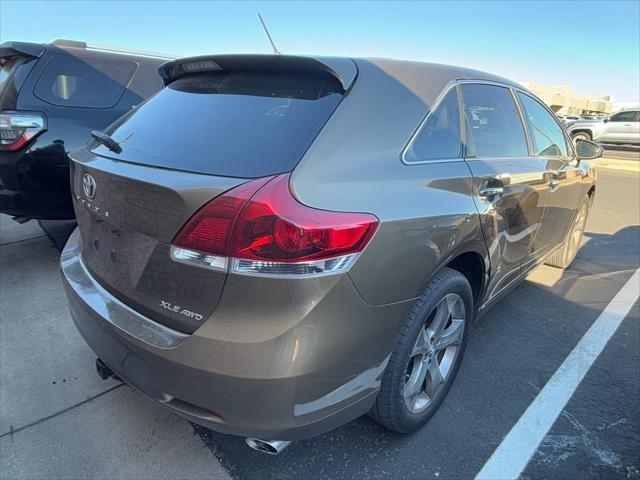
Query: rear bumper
[{"x": 285, "y": 385}]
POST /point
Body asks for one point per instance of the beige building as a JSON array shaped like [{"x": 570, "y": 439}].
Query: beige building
[{"x": 563, "y": 100}]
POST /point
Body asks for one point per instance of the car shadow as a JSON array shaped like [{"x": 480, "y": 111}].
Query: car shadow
[{"x": 58, "y": 231}]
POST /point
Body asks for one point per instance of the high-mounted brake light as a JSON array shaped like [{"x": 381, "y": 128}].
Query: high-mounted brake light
[
  {"x": 18, "y": 128},
  {"x": 264, "y": 230},
  {"x": 200, "y": 66}
]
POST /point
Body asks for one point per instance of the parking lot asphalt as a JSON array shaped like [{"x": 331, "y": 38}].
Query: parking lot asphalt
[{"x": 60, "y": 421}]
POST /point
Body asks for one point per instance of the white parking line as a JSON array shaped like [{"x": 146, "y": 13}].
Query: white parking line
[{"x": 513, "y": 454}]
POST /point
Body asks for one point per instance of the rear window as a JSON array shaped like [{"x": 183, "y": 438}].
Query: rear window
[
  {"x": 236, "y": 124},
  {"x": 71, "y": 81}
]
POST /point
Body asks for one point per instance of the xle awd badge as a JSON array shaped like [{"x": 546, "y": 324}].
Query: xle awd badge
[
  {"x": 179, "y": 310},
  {"x": 89, "y": 186}
]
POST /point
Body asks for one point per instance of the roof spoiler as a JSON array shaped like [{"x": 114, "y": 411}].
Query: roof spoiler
[
  {"x": 343, "y": 69},
  {"x": 23, "y": 49}
]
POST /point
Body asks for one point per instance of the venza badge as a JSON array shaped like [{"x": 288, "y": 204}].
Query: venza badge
[{"x": 89, "y": 185}]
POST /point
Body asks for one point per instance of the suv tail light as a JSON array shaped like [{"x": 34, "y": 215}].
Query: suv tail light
[
  {"x": 260, "y": 228},
  {"x": 17, "y": 128}
]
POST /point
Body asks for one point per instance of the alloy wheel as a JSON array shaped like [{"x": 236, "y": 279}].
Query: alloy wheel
[
  {"x": 434, "y": 353},
  {"x": 578, "y": 229}
]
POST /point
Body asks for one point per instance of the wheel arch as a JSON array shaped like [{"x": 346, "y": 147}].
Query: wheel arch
[
  {"x": 473, "y": 266},
  {"x": 585, "y": 130}
]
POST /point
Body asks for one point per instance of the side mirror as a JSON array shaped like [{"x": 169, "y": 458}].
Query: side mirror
[
  {"x": 587, "y": 150},
  {"x": 605, "y": 120}
]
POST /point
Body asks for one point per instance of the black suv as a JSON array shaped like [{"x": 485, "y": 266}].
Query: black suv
[{"x": 51, "y": 97}]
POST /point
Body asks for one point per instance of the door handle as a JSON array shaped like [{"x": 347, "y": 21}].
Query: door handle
[
  {"x": 553, "y": 184},
  {"x": 490, "y": 192},
  {"x": 493, "y": 187}
]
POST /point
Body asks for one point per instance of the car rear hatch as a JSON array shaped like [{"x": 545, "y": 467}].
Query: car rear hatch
[{"x": 220, "y": 122}]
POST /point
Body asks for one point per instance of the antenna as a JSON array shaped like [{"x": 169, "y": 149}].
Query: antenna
[{"x": 273, "y": 45}]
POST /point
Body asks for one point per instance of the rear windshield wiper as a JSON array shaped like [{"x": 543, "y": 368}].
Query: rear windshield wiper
[{"x": 107, "y": 141}]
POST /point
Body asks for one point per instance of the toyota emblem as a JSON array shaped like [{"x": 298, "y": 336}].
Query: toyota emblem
[{"x": 89, "y": 186}]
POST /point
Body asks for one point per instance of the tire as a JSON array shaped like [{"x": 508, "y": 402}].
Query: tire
[
  {"x": 584, "y": 135},
  {"x": 395, "y": 407},
  {"x": 564, "y": 256}
]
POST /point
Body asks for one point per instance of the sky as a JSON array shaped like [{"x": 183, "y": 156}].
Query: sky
[{"x": 592, "y": 45}]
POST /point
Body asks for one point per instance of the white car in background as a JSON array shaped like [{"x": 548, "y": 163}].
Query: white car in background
[
  {"x": 622, "y": 127},
  {"x": 565, "y": 119}
]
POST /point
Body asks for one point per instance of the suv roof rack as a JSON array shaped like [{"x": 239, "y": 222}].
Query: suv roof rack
[{"x": 64, "y": 43}]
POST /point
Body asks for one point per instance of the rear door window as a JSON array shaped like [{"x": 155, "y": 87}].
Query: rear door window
[
  {"x": 236, "y": 124},
  {"x": 548, "y": 138},
  {"x": 73, "y": 81},
  {"x": 494, "y": 128},
  {"x": 440, "y": 136}
]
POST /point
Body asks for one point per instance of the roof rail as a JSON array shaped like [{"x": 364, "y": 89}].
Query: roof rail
[{"x": 63, "y": 43}]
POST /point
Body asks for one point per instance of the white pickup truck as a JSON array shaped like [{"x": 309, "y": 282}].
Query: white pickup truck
[{"x": 621, "y": 127}]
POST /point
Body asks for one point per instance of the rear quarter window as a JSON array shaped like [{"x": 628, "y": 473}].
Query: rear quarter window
[
  {"x": 73, "y": 81},
  {"x": 440, "y": 136},
  {"x": 236, "y": 124}
]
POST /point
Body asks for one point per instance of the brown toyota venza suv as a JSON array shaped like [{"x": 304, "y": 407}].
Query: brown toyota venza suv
[{"x": 272, "y": 246}]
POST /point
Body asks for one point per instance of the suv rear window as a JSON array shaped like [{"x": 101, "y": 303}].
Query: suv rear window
[
  {"x": 235, "y": 124},
  {"x": 70, "y": 81}
]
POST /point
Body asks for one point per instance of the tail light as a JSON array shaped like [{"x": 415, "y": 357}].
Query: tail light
[
  {"x": 260, "y": 228},
  {"x": 18, "y": 128},
  {"x": 204, "y": 240}
]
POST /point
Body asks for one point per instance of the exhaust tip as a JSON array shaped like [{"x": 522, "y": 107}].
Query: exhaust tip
[
  {"x": 103, "y": 370},
  {"x": 272, "y": 447}
]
